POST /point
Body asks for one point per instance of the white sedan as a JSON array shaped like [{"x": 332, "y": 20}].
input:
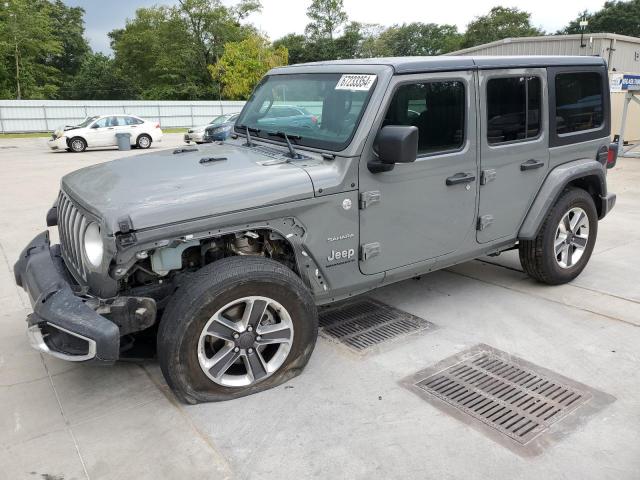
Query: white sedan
[{"x": 101, "y": 130}]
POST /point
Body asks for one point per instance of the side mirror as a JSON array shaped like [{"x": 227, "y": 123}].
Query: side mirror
[
  {"x": 95, "y": 125},
  {"x": 396, "y": 144}
]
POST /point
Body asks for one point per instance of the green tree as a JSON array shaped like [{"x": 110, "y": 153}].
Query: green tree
[
  {"x": 166, "y": 51},
  {"x": 98, "y": 78},
  {"x": 499, "y": 23},
  {"x": 244, "y": 63},
  {"x": 27, "y": 40},
  {"x": 327, "y": 17},
  {"x": 157, "y": 54},
  {"x": 358, "y": 40},
  {"x": 67, "y": 25},
  {"x": 297, "y": 47},
  {"x": 615, "y": 17},
  {"x": 418, "y": 39}
]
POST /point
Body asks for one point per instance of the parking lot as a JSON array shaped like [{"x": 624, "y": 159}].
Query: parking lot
[{"x": 347, "y": 415}]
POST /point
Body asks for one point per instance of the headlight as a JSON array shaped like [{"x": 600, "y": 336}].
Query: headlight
[{"x": 93, "y": 247}]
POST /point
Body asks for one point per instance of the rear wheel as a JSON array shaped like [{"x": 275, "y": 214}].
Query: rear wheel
[
  {"x": 238, "y": 326},
  {"x": 144, "y": 141},
  {"x": 77, "y": 144},
  {"x": 565, "y": 242}
]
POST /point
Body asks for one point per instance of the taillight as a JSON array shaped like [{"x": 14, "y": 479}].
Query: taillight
[
  {"x": 612, "y": 155},
  {"x": 314, "y": 119},
  {"x": 157, "y": 125}
]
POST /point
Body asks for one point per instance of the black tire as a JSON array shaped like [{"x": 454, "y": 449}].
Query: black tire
[
  {"x": 538, "y": 257},
  {"x": 207, "y": 291},
  {"x": 77, "y": 144},
  {"x": 143, "y": 141}
]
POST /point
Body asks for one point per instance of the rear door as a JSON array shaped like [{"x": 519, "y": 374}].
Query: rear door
[
  {"x": 427, "y": 208},
  {"x": 514, "y": 148}
]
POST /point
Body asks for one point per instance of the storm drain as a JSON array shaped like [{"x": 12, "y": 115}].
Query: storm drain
[
  {"x": 365, "y": 323},
  {"x": 519, "y": 400}
]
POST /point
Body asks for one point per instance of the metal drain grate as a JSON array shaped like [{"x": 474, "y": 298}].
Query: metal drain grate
[
  {"x": 364, "y": 323},
  {"x": 505, "y": 393}
]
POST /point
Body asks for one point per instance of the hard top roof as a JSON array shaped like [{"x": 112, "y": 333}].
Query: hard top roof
[{"x": 427, "y": 64}]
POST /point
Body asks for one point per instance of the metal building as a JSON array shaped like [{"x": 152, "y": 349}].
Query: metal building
[{"x": 621, "y": 52}]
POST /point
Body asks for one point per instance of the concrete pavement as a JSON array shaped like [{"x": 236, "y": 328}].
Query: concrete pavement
[{"x": 346, "y": 416}]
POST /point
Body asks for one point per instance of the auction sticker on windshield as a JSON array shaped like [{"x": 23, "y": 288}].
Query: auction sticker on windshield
[{"x": 355, "y": 82}]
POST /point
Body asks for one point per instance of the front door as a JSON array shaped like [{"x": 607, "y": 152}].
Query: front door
[
  {"x": 514, "y": 155},
  {"x": 102, "y": 133},
  {"x": 422, "y": 210}
]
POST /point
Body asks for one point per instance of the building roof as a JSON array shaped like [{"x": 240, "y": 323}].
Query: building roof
[
  {"x": 405, "y": 65},
  {"x": 547, "y": 38}
]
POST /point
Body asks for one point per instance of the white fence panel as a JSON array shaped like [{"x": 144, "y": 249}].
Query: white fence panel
[{"x": 46, "y": 115}]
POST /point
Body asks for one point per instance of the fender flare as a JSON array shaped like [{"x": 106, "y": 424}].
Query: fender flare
[{"x": 555, "y": 183}]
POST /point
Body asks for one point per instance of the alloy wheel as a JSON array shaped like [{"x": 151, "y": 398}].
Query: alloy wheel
[
  {"x": 572, "y": 237},
  {"x": 245, "y": 341}
]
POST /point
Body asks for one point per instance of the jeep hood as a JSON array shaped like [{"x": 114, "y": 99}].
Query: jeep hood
[{"x": 166, "y": 187}]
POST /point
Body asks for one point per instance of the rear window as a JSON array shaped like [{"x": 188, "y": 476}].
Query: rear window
[
  {"x": 579, "y": 102},
  {"x": 513, "y": 109}
]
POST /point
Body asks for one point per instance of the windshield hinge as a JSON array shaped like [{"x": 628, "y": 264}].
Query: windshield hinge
[{"x": 369, "y": 198}]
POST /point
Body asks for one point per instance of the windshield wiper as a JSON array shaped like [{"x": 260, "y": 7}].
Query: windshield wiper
[
  {"x": 248, "y": 129},
  {"x": 292, "y": 152}
]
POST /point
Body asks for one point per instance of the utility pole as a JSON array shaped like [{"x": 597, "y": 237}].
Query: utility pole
[{"x": 583, "y": 26}]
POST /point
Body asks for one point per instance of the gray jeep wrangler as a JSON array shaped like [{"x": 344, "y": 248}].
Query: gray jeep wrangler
[{"x": 368, "y": 172}]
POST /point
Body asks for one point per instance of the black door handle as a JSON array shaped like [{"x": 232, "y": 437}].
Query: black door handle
[
  {"x": 531, "y": 165},
  {"x": 459, "y": 178}
]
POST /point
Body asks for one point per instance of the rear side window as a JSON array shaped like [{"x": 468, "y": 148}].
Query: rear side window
[
  {"x": 436, "y": 108},
  {"x": 133, "y": 121},
  {"x": 579, "y": 102},
  {"x": 513, "y": 109}
]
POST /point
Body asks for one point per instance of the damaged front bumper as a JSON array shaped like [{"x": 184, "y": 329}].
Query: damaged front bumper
[{"x": 66, "y": 325}]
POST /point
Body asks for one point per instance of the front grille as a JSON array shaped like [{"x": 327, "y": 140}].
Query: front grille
[{"x": 71, "y": 226}]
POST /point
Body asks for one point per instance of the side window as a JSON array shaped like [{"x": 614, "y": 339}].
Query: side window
[
  {"x": 579, "y": 102},
  {"x": 132, "y": 121},
  {"x": 101, "y": 123},
  {"x": 513, "y": 109},
  {"x": 436, "y": 108}
]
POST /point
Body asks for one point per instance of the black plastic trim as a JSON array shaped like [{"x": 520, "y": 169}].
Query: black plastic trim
[{"x": 40, "y": 271}]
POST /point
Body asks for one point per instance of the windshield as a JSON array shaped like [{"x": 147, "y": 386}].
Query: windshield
[
  {"x": 87, "y": 121},
  {"x": 323, "y": 109}
]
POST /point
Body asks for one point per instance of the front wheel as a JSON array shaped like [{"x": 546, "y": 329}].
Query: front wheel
[
  {"x": 77, "y": 144},
  {"x": 236, "y": 327},
  {"x": 565, "y": 241}
]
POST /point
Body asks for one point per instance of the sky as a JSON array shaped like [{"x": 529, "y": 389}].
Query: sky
[{"x": 279, "y": 17}]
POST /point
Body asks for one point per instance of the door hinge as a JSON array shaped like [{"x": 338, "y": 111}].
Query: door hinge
[
  {"x": 487, "y": 176},
  {"x": 369, "y": 250},
  {"x": 484, "y": 221},
  {"x": 369, "y": 198}
]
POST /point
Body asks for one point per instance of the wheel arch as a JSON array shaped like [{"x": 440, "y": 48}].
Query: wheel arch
[
  {"x": 586, "y": 174},
  {"x": 69, "y": 139},
  {"x": 287, "y": 229},
  {"x": 144, "y": 134}
]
